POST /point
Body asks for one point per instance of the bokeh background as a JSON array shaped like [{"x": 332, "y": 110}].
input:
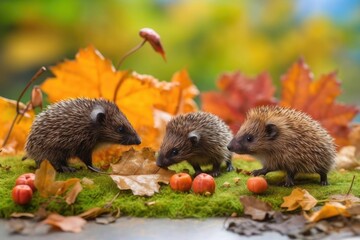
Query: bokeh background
[{"x": 205, "y": 37}]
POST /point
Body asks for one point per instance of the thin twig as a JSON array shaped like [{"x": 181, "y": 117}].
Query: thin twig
[
  {"x": 108, "y": 205},
  {"x": 352, "y": 183},
  {"x": 129, "y": 53},
  {"x": 121, "y": 80}
]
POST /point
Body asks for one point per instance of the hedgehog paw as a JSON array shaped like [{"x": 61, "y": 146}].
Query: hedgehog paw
[
  {"x": 259, "y": 172},
  {"x": 324, "y": 183},
  {"x": 67, "y": 169},
  {"x": 215, "y": 173},
  {"x": 229, "y": 167}
]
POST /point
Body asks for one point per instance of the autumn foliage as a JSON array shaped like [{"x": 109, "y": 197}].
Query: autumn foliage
[{"x": 239, "y": 93}]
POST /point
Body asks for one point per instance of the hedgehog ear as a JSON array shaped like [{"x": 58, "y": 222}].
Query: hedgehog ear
[
  {"x": 272, "y": 131},
  {"x": 97, "y": 114},
  {"x": 194, "y": 137}
]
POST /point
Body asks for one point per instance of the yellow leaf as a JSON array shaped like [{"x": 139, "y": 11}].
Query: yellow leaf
[
  {"x": 73, "y": 193},
  {"x": 44, "y": 177},
  {"x": 299, "y": 198},
  {"x": 20, "y": 131},
  {"x": 330, "y": 209}
]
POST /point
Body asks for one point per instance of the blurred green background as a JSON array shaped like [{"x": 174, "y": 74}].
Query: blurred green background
[{"x": 205, "y": 37}]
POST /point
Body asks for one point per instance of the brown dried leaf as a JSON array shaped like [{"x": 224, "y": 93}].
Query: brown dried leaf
[
  {"x": 22, "y": 215},
  {"x": 66, "y": 224},
  {"x": 257, "y": 209},
  {"x": 348, "y": 199},
  {"x": 299, "y": 198},
  {"x": 142, "y": 185},
  {"x": 354, "y": 210},
  {"x": 87, "y": 181},
  {"x": 73, "y": 193},
  {"x": 137, "y": 170}
]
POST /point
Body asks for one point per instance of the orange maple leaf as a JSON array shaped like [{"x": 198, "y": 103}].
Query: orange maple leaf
[
  {"x": 20, "y": 131},
  {"x": 237, "y": 95},
  {"x": 318, "y": 99},
  {"x": 147, "y": 102}
]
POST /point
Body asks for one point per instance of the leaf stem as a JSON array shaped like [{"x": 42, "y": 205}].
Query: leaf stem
[
  {"x": 37, "y": 74},
  {"x": 129, "y": 53}
]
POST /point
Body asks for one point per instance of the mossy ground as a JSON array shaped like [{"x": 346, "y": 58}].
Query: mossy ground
[{"x": 169, "y": 204}]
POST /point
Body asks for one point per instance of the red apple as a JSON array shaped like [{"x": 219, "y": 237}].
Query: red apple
[
  {"x": 256, "y": 184},
  {"x": 181, "y": 182},
  {"x": 27, "y": 179},
  {"x": 203, "y": 183},
  {"x": 22, "y": 194}
]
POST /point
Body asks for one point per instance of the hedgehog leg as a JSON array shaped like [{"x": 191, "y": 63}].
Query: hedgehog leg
[
  {"x": 229, "y": 166},
  {"x": 60, "y": 165},
  {"x": 216, "y": 169},
  {"x": 197, "y": 168},
  {"x": 261, "y": 171},
  {"x": 290, "y": 179},
  {"x": 323, "y": 179},
  {"x": 87, "y": 159}
]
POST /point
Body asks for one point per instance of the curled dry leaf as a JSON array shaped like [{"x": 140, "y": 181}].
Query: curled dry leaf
[
  {"x": 16, "y": 141},
  {"x": 257, "y": 209},
  {"x": 154, "y": 39},
  {"x": 299, "y": 198},
  {"x": 66, "y": 224},
  {"x": 137, "y": 170},
  {"x": 22, "y": 215},
  {"x": 347, "y": 199},
  {"x": 94, "y": 213},
  {"x": 330, "y": 209}
]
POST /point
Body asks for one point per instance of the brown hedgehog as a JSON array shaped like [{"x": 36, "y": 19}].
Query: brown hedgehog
[
  {"x": 285, "y": 139},
  {"x": 200, "y": 138},
  {"x": 72, "y": 128}
]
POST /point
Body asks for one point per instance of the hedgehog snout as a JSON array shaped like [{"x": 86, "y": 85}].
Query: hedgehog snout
[{"x": 161, "y": 161}]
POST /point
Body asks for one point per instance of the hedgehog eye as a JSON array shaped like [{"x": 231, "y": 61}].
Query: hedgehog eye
[
  {"x": 120, "y": 129},
  {"x": 174, "y": 152},
  {"x": 249, "y": 138}
]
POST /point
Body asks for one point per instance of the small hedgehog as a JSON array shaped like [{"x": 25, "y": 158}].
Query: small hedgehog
[
  {"x": 200, "y": 138},
  {"x": 287, "y": 140},
  {"x": 73, "y": 128}
]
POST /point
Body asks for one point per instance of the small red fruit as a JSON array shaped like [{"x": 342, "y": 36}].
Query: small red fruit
[
  {"x": 22, "y": 194},
  {"x": 256, "y": 184},
  {"x": 180, "y": 182},
  {"x": 203, "y": 183},
  {"x": 27, "y": 179}
]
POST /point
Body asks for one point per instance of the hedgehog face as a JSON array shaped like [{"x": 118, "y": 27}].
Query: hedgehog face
[
  {"x": 253, "y": 137},
  {"x": 114, "y": 127},
  {"x": 176, "y": 148}
]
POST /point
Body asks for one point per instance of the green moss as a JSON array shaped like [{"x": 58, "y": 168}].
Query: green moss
[{"x": 169, "y": 204}]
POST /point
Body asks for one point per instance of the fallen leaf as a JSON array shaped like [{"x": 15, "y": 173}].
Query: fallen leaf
[
  {"x": 330, "y": 209},
  {"x": 71, "y": 195},
  {"x": 299, "y": 198},
  {"x": 137, "y": 170},
  {"x": 318, "y": 99},
  {"x": 66, "y": 224},
  {"x": 347, "y": 199},
  {"x": 346, "y": 159},
  {"x": 94, "y": 213},
  {"x": 16, "y": 141},
  {"x": 141, "y": 185},
  {"x": 257, "y": 209},
  {"x": 27, "y": 227},
  {"x": 45, "y": 181},
  {"x": 87, "y": 181},
  {"x": 237, "y": 95},
  {"x": 354, "y": 210}
]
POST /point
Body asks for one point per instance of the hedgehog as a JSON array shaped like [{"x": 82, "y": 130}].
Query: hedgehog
[
  {"x": 73, "y": 128},
  {"x": 287, "y": 140},
  {"x": 200, "y": 138}
]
